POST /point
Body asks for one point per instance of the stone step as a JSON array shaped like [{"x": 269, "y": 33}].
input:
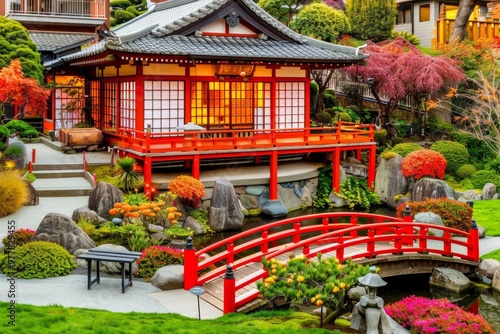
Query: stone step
[
  {"x": 45, "y": 167},
  {"x": 57, "y": 174},
  {"x": 63, "y": 185}
]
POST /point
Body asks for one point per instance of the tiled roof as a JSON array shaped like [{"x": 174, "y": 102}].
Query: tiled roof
[
  {"x": 228, "y": 47},
  {"x": 167, "y": 29},
  {"x": 59, "y": 41}
]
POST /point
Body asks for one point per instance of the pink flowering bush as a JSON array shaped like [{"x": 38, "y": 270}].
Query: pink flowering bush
[
  {"x": 422, "y": 163},
  {"x": 155, "y": 257},
  {"x": 18, "y": 238},
  {"x": 426, "y": 316}
]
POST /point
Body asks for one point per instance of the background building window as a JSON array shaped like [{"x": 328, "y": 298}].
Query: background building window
[
  {"x": 290, "y": 105},
  {"x": 425, "y": 13},
  {"x": 404, "y": 14},
  {"x": 127, "y": 105}
]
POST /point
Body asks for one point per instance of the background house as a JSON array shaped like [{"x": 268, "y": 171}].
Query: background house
[{"x": 432, "y": 21}]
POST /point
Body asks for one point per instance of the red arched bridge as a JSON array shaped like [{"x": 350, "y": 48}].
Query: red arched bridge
[{"x": 397, "y": 246}]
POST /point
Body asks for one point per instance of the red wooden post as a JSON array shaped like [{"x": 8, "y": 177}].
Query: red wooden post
[
  {"x": 84, "y": 161},
  {"x": 148, "y": 177},
  {"x": 336, "y": 169},
  {"x": 340, "y": 251},
  {"x": 264, "y": 247},
  {"x": 473, "y": 242},
  {"x": 273, "y": 176},
  {"x": 354, "y": 222},
  {"x": 195, "y": 169},
  {"x": 325, "y": 224},
  {"x": 33, "y": 155},
  {"x": 306, "y": 250},
  {"x": 447, "y": 243},
  {"x": 31, "y": 167},
  {"x": 230, "y": 249},
  {"x": 370, "y": 245},
  {"x": 372, "y": 159},
  {"x": 229, "y": 291},
  {"x": 422, "y": 243},
  {"x": 407, "y": 229},
  {"x": 190, "y": 265},
  {"x": 94, "y": 178}
]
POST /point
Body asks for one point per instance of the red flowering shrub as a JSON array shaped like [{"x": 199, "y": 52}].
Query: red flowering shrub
[
  {"x": 425, "y": 316},
  {"x": 18, "y": 238},
  {"x": 155, "y": 257},
  {"x": 454, "y": 214},
  {"x": 421, "y": 163}
]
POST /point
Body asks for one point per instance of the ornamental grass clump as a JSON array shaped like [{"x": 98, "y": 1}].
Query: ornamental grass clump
[
  {"x": 426, "y": 316},
  {"x": 424, "y": 163},
  {"x": 13, "y": 192},
  {"x": 38, "y": 259},
  {"x": 312, "y": 282}
]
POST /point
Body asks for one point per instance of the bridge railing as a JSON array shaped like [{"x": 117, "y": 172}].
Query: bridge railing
[
  {"x": 251, "y": 245},
  {"x": 386, "y": 235}
]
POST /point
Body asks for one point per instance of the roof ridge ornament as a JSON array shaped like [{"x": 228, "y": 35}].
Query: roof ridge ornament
[{"x": 233, "y": 19}]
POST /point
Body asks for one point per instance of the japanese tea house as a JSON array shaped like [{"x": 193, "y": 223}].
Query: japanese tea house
[{"x": 210, "y": 79}]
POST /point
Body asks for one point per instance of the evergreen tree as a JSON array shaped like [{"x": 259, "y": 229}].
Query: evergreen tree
[
  {"x": 372, "y": 19},
  {"x": 16, "y": 44},
  {"x": 284, "y": 10}
]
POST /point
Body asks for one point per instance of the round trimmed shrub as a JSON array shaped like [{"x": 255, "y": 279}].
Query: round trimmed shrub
[
  {"x": 4, "y": 133},
  {"x": 481, "y": 177},
  {"x": 406, "y": 148},
  {"x": 424, "y": 163},
  {"x": 329, "y": 99},
  {"x": 465, "y": 171},
  {"x": 323, "y": 117},
  {"x": 455, "y": 154},
  {"x": 381, "y": 137},
  {"x": 343, "y": 116},
  {"x": 13, "y": 192},
  {"x": 39, "y": 259}
]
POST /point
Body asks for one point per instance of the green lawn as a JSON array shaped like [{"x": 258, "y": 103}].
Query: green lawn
[
  {"x": 56, "y": 319},
  {"x": 487, "y": 214}
]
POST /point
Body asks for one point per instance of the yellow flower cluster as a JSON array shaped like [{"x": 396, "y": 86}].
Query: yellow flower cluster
[{"x": 145, "y": 210}]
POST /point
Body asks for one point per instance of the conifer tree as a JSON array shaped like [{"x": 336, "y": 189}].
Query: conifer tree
[{"x": 372, "y": 19}]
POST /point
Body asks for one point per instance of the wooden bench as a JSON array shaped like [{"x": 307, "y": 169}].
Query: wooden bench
[{"x": 109, "y": 255}]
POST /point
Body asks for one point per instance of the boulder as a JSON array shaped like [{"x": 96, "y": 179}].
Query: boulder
[
  {"x": 489, "y": 190},
  {"x": 449, "y": 279},
  {"x": 62, "y": 230},
  {"x": 487, "y": 267},
  {"x": 307, "y": 198},
  {"x": 389, "y": 180},
  {"x": 170, "y": 277},
  {"x": 33, "y": 196},
  {"x": 481, "y": 232},
  {"x": 355, "y": 169},
  {"x": 470, "y": 195},
  {"x": 106, "y": 267},
  {"x": 274, "y": 209},
  {"x": 288, "y": 198},
  {"x": 249, "y": 201},
  {"x": 159, "y": 237},
  {"x": 103, "y": 198},
  {"x": 255, "y": 190},
  {"x": 336, "y": 201},
  {"x": 153, "y": 228},
  {"x": 430, "y": 218},
  {"x": 225, "y": 212},
  {"x": 495, "y": 283},
  {"x": 87, "y": 215},
  {"x": 193, "y": 224},
  {"x": 356, "y": 292},
  {"x": 431, "y": 188}
]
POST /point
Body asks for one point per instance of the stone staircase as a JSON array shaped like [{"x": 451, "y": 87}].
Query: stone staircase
[{"x": 62, "y": 180}]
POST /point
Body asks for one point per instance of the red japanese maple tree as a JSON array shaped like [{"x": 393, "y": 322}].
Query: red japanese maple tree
[
  {"x": 18, "y": 90},
  {"x": 398, "y": 68}
]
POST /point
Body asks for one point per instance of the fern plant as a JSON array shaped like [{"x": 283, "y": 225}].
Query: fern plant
[
  {"x": 321, "y": 200},
  {"x": 357, "y": 192}
]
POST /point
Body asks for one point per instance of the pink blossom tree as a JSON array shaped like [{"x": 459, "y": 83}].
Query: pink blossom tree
[{"x": 398, "y": 68}]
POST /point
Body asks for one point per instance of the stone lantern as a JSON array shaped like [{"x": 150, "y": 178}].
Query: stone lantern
[{"x": 369, "y": 314}]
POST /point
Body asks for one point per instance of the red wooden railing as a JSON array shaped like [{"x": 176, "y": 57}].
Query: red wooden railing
[
  {"x": 159, "y": 142},
  {"x": 334, "y": 236}
]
